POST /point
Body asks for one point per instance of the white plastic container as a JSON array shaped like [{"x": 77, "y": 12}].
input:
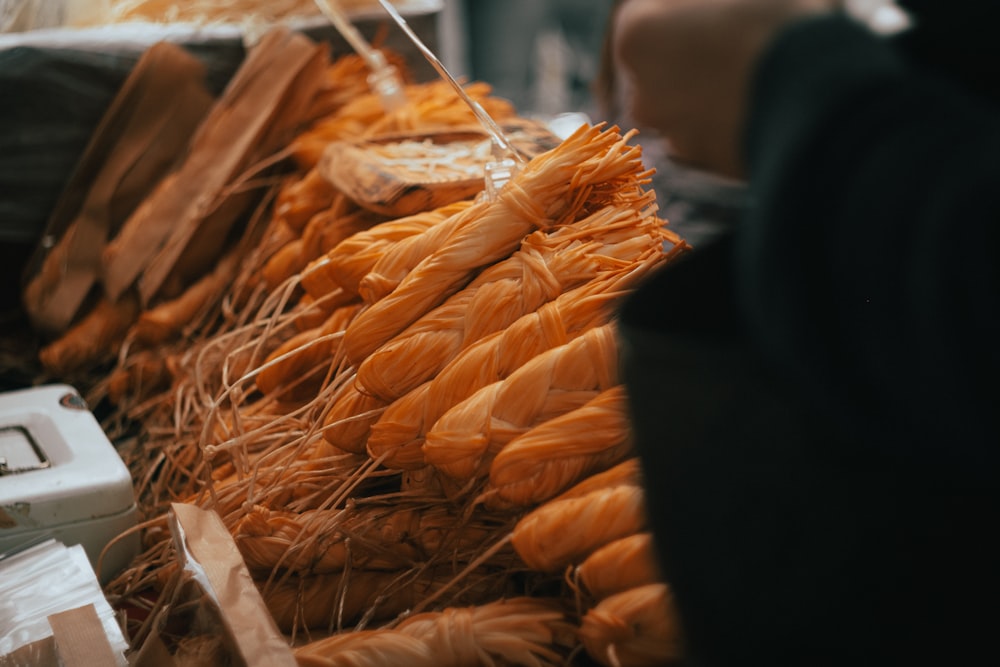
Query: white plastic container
[{"x": 61, "y": 477}]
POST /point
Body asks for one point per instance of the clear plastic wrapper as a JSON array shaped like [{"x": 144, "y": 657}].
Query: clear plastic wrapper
[{"x": 43, "y": 580}]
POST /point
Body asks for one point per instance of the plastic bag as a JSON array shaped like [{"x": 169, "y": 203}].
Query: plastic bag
[{"x": 44, "y": 580}]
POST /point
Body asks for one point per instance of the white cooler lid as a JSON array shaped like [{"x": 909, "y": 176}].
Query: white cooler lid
[{"x": 60, "y": 465}]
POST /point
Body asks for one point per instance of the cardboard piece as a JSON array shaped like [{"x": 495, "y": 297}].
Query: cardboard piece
[
  {"x": 80, "y": 638},
  {"x": 77, "y": 640}
]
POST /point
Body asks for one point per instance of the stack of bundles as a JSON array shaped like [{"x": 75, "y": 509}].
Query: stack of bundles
[{"x": 414, "y": 426}]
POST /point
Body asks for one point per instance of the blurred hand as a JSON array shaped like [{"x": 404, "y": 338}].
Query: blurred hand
[{"x": 689, "y": 64}]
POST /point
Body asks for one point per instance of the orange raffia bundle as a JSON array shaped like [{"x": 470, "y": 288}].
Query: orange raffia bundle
[
  {"x": 278, "y": 475},
  {"x": 349, "y": 420},
  {"x": 357, "y": 597},
  {"x": 551, "y": 457},
  {"x": 328, "y": 228},
  {"x": 545, "y": 266},
  {"x": 94, "y": 339},
  {"x": 627, "y": 473},
  {"x": 350, "y": 261},
  {"x": 398, "y": 434},
  {"x": 467, "y": 437},
  {"x": 595, "y": 512},
  {"x": 338, "y": 599},
  {"x": 564, "y": 531},
  {"x": 372, "y": 263},
  {"x": 369, "y": 537},
  {"x": 552, "y": 189},
  {"x": 305, "y": 355},
  {"x": 167, "y": 320},
  {"x": 634, "y": 628},
  {"x": 429, "y": 106},
  {"x": 324, "y": 231},
  {"x": 301, "y": 197},
  {"x": 399, "y": 259},
  {"x": 436, "y": 105},
  {"x": 349, "y": 122},
  {"x": 490, "y": 303},
  {"x": 618, "y": 566},
  {"x": 137, "y": 377},
  {"x": 346, "y": 79},
  {"x": 516, "y": 631}
]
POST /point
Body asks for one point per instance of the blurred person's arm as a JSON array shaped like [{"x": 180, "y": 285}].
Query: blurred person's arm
[
  {"x": 689, "y": 65},
  {"x": 867, "y": 267}
]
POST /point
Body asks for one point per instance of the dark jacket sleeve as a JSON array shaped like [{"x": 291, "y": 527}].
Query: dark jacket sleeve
[
  {"x": 868, "y": 268},
  {"x": 813, "y": 397}
]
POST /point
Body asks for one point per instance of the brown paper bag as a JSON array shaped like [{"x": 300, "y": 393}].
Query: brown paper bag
[
  {"x": 225, "y": 614},
  {"x": 250, "y": 120},
  {"x": 193, "y": 251},
  {"x": 139, "y": 139}
]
